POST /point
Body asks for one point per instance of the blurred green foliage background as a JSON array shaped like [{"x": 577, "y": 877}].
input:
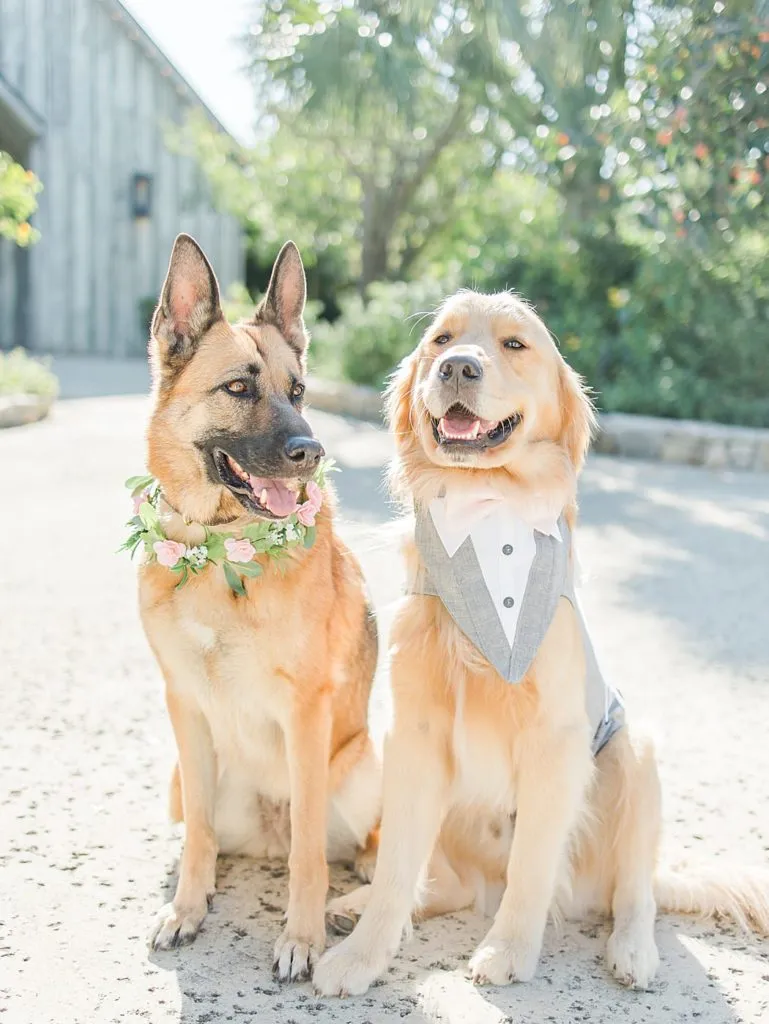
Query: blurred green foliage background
[
  {"x": 18, "y": 201},
  {"x": 607, "y": 159}
]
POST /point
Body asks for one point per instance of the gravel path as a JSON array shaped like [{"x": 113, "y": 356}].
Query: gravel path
[{"x": 678, "y": 562}]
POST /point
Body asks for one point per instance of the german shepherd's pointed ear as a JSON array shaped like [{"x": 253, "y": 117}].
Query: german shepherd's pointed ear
[
  {"x": 189, "y": 304},
  {"x": 283, "y": 304}
]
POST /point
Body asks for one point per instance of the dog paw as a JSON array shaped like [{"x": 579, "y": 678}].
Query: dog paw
[
  {"x": 500, "y": 961},
  {"x": 295, "y": 956},
  {"x": 340, "y": 919},
  {"x": 345, "y": 971},
  {"x": 633, "y": 957},
  {"x": 175, "y": 926},
  {"x": 344, "y": 912},
  {"x": 365, "y": 862}
]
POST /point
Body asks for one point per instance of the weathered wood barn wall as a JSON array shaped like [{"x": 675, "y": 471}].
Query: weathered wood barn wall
[{"x": 86, "y": 101}]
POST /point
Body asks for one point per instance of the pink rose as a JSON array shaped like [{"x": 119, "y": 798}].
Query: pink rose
[
  {"x": 306, "y": 514},
  {"x": 168, "y": 552},
  {"x": 309, "y": 509},
  {"x": 139, "y": 499},
  {"x": 239, "y": 550},
  {"x": 314, "y": 495}
]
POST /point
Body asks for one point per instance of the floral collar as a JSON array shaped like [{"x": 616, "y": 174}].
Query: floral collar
[{"x": 234, "y": 551}]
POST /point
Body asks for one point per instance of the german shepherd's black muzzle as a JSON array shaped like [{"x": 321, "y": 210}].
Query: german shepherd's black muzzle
[{"x": 265, "y": 462}]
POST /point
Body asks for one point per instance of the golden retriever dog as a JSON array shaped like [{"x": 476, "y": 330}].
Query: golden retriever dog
[
  {"x": 511, "y": 798},
  {"x": 267, "y": 672}
]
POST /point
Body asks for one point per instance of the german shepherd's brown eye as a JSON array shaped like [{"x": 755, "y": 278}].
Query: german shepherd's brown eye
[
  {"x": 513, "y": 343},
  {"x": 297, "y": 391},
  {"x": 236, "y": 387},
  {"x": 442, "y": 339}
]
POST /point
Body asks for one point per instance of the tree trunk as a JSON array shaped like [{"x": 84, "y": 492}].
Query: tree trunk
[{"x": 377, "y": 232}]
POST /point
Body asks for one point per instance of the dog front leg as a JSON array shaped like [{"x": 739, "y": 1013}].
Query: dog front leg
[
  {"x": 179, "y": 921},
  {"x": 555, "y": 771},
  {"x": 308, "y": 741},
  {"x": 416, "y": 784}
]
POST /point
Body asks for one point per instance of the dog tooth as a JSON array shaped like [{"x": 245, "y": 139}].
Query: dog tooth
[{"x": 263, "y": 496}]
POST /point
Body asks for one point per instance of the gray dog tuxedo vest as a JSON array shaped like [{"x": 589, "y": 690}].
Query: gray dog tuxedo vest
[{"x": 500, "y": 579}]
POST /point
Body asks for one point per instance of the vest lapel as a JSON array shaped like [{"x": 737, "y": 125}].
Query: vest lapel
[
  {"x": 480, "y": 609},
  {"x": 543, "y": 588},
  {"x": 459, "y": 583}
]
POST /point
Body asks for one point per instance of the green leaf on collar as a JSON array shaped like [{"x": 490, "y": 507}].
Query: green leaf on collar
[
  {"x": 148, "y": 515},
  {"x": 250, "y": 569},
  {"x": 326, "y": 466},
  {"x": 215, "y": 544},
  {"x": 135, "y": 484},
  {"x": 131, "y": 543},
  {"x": 234, "y": 581},
  {"x": 309, "y": 536},
  {"x": 257, "y": 532}
]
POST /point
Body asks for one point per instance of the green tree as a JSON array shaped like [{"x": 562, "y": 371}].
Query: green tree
[
  {"x": 18, "y": 189},
  {"x": 374, "y": 130},
  {"x": 694, "y": 123},
  {"x": 606, "y": 157}
]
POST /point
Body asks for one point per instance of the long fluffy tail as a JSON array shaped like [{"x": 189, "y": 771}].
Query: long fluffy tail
[{"x": 740, "y": 894}]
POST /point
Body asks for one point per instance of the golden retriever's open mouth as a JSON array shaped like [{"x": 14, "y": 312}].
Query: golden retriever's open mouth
[
  {"x": 460, "y": 428},
  {"x": 271, "y": 498}
]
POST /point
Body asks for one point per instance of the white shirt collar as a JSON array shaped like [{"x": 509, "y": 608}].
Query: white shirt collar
[{"x": 460, "y": 510}]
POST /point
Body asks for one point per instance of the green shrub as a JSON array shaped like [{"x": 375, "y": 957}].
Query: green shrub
[
  {"x": 694, "y": 343},
  {"x": 674, "y": 339},
  {"x": 20, "y": 374},
  {"x": 370, "y": 338}
]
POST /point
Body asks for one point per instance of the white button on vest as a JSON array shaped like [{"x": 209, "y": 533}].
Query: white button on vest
[{"x": 493, "y": 527}]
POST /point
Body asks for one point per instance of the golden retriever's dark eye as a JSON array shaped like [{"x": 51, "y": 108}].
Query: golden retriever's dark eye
[
  {"x": 297, "y": 391},
  {"x": 513, "y": 343},
  {"x": 236, "y": 387},
  {"x": 442, "y": 339}
]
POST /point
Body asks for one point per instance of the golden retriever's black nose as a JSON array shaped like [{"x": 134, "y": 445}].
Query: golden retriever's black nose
[
  {"x": 304, "y": 452},
  {"x": 468, "y": 366}
]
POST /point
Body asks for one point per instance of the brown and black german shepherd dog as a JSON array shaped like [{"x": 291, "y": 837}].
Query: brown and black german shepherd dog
[{"x": 268, "y": 692}]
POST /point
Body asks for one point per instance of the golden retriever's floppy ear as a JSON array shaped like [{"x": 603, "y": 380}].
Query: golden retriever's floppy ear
[
  {"x": 398, "y": 398},
  {"x": 578, "y": 420}
]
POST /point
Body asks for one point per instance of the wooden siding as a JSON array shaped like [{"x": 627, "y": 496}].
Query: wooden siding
[{"x": 106, "y": 98}]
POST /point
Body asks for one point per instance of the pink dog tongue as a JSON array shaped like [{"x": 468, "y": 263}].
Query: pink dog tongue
[
  {"x": 464, "y": 426},
  {"x": 460, "y": 424},
  {"x": 274, "y": 495}
]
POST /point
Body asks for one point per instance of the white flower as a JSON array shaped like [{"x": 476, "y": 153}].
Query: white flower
[
  {"x": 275, "y": 536},
  {"x": 197, "y": 556},
  {"x": 292, "y": 532}
]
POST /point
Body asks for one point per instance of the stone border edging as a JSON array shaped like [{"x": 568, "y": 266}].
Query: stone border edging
[
  {"x": 345, "y": 399},
  {"x": 695, "y": 443},
  {"x": 16, "y": 410},
  {"x": 714, "y": 445}
]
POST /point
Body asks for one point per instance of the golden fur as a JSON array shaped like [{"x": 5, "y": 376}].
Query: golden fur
[
  {"x": 267, "y": 693},
  {"x": 586, "y": 830}
]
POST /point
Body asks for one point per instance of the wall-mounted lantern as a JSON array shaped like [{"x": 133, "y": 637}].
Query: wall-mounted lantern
[{"x": 141, "y": 196}]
